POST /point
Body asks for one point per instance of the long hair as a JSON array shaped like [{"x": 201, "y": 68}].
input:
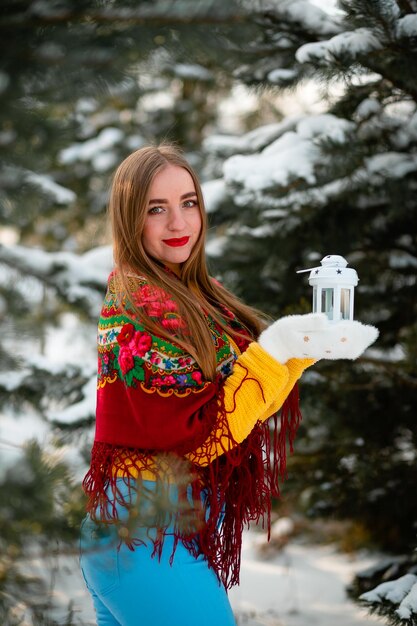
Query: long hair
[{"x": 195, "y": 293}]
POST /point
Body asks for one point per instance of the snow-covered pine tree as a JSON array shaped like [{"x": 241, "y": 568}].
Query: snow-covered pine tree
[
  {"x": 82, "y": 85},
  {"x": 340, "y": 181},
  {"x": 389, "y": 589},
  {"x": 58, "y": 83}
]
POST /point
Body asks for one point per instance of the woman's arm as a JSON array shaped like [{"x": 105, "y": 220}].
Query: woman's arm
[{"x": 257, "y": 388}]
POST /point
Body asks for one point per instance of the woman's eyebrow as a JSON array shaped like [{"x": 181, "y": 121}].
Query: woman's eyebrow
[{"x": 190, "y": 194}]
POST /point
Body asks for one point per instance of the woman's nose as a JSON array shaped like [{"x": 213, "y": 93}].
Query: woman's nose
[{"x": 176, "y": 219}]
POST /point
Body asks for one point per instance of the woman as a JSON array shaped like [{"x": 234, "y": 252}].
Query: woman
[{"x": 187, "y": 379}]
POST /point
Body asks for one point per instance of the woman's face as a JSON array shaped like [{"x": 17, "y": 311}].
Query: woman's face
[{"x": 173, "y": 219}]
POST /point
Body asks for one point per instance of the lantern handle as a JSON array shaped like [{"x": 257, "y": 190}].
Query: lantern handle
[
  {"x": 331, "y": 260},
  {"x": 310, "y": 269}
]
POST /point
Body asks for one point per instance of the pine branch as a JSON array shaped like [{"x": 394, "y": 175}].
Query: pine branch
[
  {"x": 406, "y": 6},
  {"x": 388, "y": 611},
  {"x": 66, "y": 273},
  {"x": 140, "y": 16},
  {"x": 390, "y": 73}
]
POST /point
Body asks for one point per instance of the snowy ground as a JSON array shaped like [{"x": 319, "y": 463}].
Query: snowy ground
[{"x": 302, "y": 585}]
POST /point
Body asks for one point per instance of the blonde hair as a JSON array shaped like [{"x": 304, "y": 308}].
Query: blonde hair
[{"x": 195, "y": 294}]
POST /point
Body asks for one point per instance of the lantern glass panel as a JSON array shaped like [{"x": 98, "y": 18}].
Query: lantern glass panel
[
  {"x": 315, "y": 300},
  {"x": 327, "y": 304},
  {"x": 345, "y": 303}
]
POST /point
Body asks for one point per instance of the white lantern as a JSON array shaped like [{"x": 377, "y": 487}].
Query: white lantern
[{"x": 333, "y": 287}]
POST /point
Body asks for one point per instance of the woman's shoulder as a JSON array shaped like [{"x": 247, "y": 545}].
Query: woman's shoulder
[
  {"x": 138, "y": 298},
  {"x": 114, "y": 280}
]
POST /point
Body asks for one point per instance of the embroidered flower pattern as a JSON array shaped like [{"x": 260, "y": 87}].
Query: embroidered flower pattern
[
  {"x": 136, "y": 356},
  {"x": 154, "y": 300},
  {"x": 155, "y": 358},
  {"x": 157, "y": 303},
  {"x": 126, "y": 334},
  {"x": 126, "y": 360},
  {"x": 141, "y": 343},
  {"x": 172, "y": 322},
  {"x": 197, "y": 377},
  {"x": 160, "y": 381},
  {"x": 132, "y": 344}
]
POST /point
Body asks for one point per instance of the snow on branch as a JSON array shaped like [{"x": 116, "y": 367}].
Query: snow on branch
[
  {"x": 81, "y": 410},
  {"x": 295, "y": 169},
  {"x": 60, "y": 194},
  {"x": 407, "y": 27},
  {"x": 192, "y": 71},
  {"x": 393, "y": 590},
  {"x": 293, "y": 157},
  {"x": 303, "y": 13},
  {"x": 401, "y": 592},
  {"x": 49, "y": 379},
  {"x": 390, "y": 165},
  {"x": 78, "y": 279},
  {"x": 254, "y": 140},
  {"x": 350, "y": 44},
  {"x": 98, "y": 150},
  {"x": 215, "y": 193}
]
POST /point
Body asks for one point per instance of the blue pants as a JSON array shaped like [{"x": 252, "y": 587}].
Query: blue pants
[{"x": 130, "y": 588}]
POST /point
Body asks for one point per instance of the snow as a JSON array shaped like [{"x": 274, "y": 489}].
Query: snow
[
  {"x": 255, "y": 140},
  {"x": 294, "y": 200},
  {"x": 407, "y": 133},
  {"x": 264, "y": 230},
  {"x": 408, "y": 606},
  {"x": 12, "y": 380},
  {"x": 281, "y": 75},
  {"x": 214, "y": 192},
  {"x": 300, "y": 585},
  {"x": 15, "y": 431},
  {"x": 325, "y": 125},
  {"x": 281, "y": 528},
  {"x": 402, "y": 260},
  {"x": 293, "y": 156},
  {"x": 72, "y": 343},
  {"x": 96, "y": 150},
  {"x": 192, "y": 71},
  {"x": 289, "y": 157},
  {"x": 81, "y": 410},
  {"x": 329, "y": 6},
  {"x": 313, "y": 18},
  {"x": 61, "y": 195},
  {"x": 78, "y": 276},
  {"x": 93, "y": 265},
  {"x": 256, "y": 175},
  {"x": 392, "y": 590},
  {"x": 367, "y": 108},
  {"x": 350, "y": 43},
  {"x": 391, "y": 164},
  {"x": 100, "y": 261},
  {"x": 407, "y": 26},
  {"x": 216, "y": 246}
]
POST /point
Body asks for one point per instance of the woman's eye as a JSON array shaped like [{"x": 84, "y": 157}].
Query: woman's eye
[
  {"x": 155, "y": 210},
  {"x": 190, "y": 203}
]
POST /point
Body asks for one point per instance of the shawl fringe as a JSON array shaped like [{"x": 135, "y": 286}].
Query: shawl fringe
[{"x": 233, "y": 490}]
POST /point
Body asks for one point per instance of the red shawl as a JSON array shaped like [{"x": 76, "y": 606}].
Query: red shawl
[{"x": 154, "y": 407}]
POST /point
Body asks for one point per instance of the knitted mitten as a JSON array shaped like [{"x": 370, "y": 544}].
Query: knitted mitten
[{"x": 313, "y": 336}]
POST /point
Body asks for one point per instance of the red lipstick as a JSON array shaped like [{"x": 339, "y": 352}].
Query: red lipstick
[{"x": 181, "y": 241}]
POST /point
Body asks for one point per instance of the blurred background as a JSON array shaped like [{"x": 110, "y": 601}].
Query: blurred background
[{"x": 300, "y": 118}]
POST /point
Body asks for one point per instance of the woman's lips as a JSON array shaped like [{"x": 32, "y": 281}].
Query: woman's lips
[{"x": 181, "y": 241}]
